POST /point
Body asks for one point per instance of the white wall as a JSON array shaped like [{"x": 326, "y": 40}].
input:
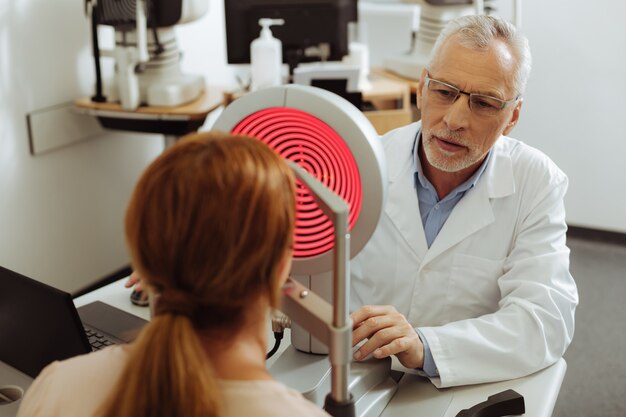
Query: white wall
[
  {"x": 61, "y": 214},
  {"x": 575, "y": 106}
]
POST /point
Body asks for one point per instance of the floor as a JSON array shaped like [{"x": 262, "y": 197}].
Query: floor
[{"x": 595, "y": 382}]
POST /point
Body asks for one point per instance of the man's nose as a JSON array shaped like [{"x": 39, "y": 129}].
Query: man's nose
[{"x": 459, "y": 113}]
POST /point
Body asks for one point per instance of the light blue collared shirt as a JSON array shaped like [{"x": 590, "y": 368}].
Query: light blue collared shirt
[{"x": 434, "y": 213}]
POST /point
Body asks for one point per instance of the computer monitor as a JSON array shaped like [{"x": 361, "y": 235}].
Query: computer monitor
[{"x": 308, "y": 24}]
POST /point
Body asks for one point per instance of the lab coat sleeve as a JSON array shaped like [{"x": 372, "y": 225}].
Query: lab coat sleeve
[{"x": 534, "y": 323}]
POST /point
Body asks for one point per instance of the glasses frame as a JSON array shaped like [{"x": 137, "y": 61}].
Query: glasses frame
[{"x": 503, "y": 103}]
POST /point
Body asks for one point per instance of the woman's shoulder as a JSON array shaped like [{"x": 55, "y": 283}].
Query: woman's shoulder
[
  {"x": 104, "y": 364},
  {"x": 74, "y": 383},
  {"x": 266, "y": 398}
]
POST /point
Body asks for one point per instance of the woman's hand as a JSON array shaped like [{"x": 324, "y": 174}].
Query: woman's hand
[{"x": 139, "y": 296}]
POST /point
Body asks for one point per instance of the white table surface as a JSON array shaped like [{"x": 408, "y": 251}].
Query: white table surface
[{"x": 416, "y": 396}]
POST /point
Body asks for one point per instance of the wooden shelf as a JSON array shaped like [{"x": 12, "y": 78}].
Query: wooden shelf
[
  {"x": 170, "y": 121},
  {"x": 194, "y": 110}
]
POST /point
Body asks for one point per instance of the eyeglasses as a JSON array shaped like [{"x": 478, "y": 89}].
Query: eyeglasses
[{"x": 445, "y": 94}]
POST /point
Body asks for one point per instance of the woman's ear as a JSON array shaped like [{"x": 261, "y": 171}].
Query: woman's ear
[
  {"x": 284, "y": 267},
  {"x": 282, "y": 273}
]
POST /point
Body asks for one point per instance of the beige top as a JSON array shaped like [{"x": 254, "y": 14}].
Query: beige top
[{"x": 78, "y": 386}]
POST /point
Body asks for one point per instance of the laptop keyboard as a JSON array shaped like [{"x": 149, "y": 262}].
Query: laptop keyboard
[{"x": 97, "y": 340}]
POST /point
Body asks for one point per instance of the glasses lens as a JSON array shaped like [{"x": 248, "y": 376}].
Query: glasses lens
[
  {"x": 485, "y": 104},
  {"x": 442, "y": 92}
]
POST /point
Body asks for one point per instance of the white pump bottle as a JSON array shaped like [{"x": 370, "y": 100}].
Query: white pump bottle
[{"x": 266, "y": 56}]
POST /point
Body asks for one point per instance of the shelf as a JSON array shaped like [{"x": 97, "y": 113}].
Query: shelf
[{"x": 177, "y": 121}]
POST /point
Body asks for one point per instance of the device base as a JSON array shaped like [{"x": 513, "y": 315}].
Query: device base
[
  {"x": 370, "y": 383},
  {"x": 175, "y": 91}
]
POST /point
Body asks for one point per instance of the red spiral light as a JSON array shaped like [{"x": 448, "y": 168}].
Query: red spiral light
[{"x": 316, "y": 147}]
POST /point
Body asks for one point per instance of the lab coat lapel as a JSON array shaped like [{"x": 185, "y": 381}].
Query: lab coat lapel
[
  {"x": 402, "y": 205},
  {"x": 475, "y": 211}
]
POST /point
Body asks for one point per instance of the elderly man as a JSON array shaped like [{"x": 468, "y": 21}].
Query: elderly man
[{"x": 467, "y": 275}]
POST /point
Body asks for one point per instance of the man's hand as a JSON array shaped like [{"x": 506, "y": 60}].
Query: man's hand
[{"x": 389, "y": 333}]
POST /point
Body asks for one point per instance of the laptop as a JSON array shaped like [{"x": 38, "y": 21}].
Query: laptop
[{"x": 39, "y": 324}]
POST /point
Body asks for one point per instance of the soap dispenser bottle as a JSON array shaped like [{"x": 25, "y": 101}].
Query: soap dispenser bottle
[{"x": 266, "y": 56}]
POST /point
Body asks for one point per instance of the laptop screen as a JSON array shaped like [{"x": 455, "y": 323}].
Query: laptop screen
[{"x": 38, "y": 324}]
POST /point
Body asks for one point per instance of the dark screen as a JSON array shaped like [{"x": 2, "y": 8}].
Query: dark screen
[
  {"x": 38, "y": 324},
  {"x": 307, "y": 23}
]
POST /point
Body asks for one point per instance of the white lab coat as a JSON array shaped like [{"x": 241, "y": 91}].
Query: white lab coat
[{"x": 493, "y": 295}]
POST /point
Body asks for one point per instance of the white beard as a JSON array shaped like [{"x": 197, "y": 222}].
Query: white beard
[{"x": 448, "y": 161}]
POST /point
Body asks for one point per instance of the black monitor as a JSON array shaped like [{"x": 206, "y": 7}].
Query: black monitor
[{"x": 308, "y": 24}]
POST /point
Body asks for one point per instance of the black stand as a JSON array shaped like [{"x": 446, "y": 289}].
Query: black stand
[
  {"x": 505, "y": 403},
  {"x": 336, "y": 409}
]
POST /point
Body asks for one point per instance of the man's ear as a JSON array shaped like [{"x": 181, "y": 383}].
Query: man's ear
[
  {"x": 514, "y": 118},
  {"x": 420, "y": 87}
]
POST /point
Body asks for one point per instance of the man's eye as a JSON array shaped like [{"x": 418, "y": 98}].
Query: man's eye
[
  {"x": 445, "y": 93},
  {"x": 485, "y": 104}
]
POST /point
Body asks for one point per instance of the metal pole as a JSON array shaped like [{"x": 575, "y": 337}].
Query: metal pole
[{"x": 340, "y": 374}]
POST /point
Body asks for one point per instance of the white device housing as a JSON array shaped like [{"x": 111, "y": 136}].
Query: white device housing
[
  {"x": 145, "y": 77},
  {"x": 305, "y": 73},
  {"x": 160, "y": 81},
  {"x": 387, "y": 28},
  {"x": 364, "y": 144},
  {"x": 433, "y": 18}
]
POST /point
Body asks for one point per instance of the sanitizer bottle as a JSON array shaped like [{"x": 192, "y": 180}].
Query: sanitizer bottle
[{"x": 266, "y": 56}]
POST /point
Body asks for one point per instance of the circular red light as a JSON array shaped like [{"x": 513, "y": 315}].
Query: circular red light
[{"x": 316, "y": 147}]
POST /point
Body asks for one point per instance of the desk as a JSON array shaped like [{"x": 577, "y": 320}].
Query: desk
[
  {"x": 12, "y": 383},
  {"x": 392, "y": 104},
  {"x": 115, "y": 294},
  {"x": 172, "y": 121},
  {"x": 416, "y": 396},
  {"x": 384, "y": 73}
]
